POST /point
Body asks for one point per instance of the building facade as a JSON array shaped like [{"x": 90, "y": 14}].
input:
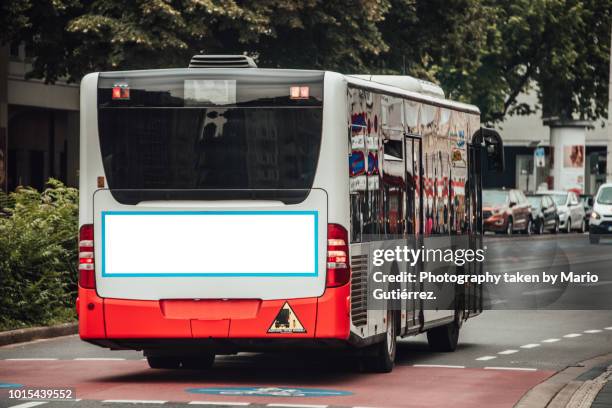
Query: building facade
[
  {"x": 39, "y": 125},
  {"x": 580, "y": 152}
]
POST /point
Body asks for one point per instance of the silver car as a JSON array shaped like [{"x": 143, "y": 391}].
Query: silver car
[{"x": 571, "y": 210}]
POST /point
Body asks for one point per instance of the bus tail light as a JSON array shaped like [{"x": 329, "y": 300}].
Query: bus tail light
[
  {"x": 87, "y": 274},
  {"x": 338, "y": 270}
]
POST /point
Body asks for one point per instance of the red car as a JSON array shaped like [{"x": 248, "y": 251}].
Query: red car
[{"x": 506, "y": 211}]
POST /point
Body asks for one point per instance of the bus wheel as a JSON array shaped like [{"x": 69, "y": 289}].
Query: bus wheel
[
  {"x": 444, "y": 338},
  {"x": 198, "y": 362},
  {"x": 381, "y": 357},
  {"x": 163, "y": 362}
]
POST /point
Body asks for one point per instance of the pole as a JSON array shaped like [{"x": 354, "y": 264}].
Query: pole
[{"x": 609, "y": 147}]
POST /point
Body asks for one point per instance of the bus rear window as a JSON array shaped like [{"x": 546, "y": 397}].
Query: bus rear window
[{"x": 261, "y": 148}]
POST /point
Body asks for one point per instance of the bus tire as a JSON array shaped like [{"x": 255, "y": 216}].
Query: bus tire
[
  {"x": 444, "y": 338},
  {"x": 381, "y": 357},
  {"x": 198, "y": 362},
  {"x": 163, "y": 362}
]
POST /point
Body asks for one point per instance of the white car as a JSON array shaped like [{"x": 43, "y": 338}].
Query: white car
[
  {"x": 601, "y": 216},
  {"x": 571, "y": 211}
]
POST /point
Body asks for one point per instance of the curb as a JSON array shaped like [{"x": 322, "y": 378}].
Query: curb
[
  {"x": 35, "y": 333},
  {"x": 558, "y": 390}
]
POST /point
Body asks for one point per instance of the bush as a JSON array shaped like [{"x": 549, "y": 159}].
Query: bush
[{"x": 38, "y": 256}]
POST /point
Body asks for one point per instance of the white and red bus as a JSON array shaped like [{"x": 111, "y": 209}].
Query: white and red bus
[{"x": 227, "y": 208}]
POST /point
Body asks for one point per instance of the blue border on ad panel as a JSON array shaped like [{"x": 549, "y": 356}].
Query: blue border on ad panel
[{"x": 211, "y": 274}]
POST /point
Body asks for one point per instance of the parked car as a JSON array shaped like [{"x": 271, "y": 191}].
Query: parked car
[
  {"x": 506, "y": 211},
  {"x": 601, "y": 215},
  {"x": 544, "y": 213},
  {"x": 571, "y": 211},
  {"x": 587, "y": 203}
]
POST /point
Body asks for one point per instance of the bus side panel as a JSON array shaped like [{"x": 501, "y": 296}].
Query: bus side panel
[
  {"x": 332, "y": 167},
  {"x": 90, "y": 309},
  {"x": 90, "y": 160},
  {"x": 333, "y": 313}
]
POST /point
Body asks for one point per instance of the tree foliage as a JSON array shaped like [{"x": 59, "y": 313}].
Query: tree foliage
[
  {"x": 38, "y": 256},
  {"x": 484, "y": 52}
]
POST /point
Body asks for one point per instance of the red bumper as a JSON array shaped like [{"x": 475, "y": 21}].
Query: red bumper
[{"x": 325, "y": 317}]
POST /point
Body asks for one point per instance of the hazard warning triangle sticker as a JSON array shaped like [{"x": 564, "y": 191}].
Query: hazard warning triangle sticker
[{"x": 286, "y": 321}]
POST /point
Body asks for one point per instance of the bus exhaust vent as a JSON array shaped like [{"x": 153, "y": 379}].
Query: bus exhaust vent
[
  {"x": 222, "y": 61},
  {"x": 359, "y": 285}
]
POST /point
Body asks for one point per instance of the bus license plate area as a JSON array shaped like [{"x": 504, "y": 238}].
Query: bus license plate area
[{"x": 209, "y": 243}]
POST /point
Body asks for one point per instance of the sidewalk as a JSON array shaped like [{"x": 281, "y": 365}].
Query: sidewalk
[
  {"x": 596, "y": 388},
  {"x": 604, "y": 397},
  {"x": 35, "y": 333},
  {"x": 585, "y": 385}
]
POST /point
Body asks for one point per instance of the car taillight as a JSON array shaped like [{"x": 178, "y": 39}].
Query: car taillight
[
  {"x": 338, "y": 271},
  {"x": 87, "y": 274}
]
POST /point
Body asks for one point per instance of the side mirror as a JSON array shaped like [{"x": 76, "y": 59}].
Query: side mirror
[
  {"x": 512, "y": 204},
  {"x": 493, "y": 145}
]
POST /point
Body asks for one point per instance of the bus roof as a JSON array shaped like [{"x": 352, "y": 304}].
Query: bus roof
[{"x": 353, "y": 80}]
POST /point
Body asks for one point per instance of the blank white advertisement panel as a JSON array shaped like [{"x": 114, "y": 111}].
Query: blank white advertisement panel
[{"x": 209, "y": 243}]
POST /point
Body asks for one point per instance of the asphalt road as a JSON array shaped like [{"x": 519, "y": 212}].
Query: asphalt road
[{"x": 502, "y": 354}]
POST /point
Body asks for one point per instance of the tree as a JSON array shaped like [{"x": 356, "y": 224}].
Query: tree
[
  {"x": 573, "y": 73},
  {"x": 485, "y": 52},
  {"x": 70, "y": 37}
]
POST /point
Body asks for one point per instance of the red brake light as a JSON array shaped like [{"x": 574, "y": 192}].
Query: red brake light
[
  {"x": 338, "y": 270},
  {"x": 87, "y": 274},
  {"x": 121, "y": 92}
]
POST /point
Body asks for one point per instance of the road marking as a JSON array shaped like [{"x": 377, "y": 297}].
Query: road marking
[
  {"x": 31, "y": 359},
  {"x": 29, "y": 404},
  {"x": 485, "y": 358},
  {"x": 550, "y": 340},
  {"x": 134, "y": 402},
  {"x": 593, "y": 331},
  {"x": 297, "y": 405},
  {"x": 572, "y": 335},
  {"x": 608, "y": 328},
  {"x": 530, "y": 346},
  {"x": 438, "y": 366},
  {"x": 219, "y": 403},
  {"x": 99, "y": 359},
  {"x": 511, "y": 368},
  {"x": 505, "y": 352}
]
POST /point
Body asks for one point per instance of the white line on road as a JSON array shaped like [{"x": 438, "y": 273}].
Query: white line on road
[
  {"x": 29, "y": 404},
  {"x": 438, "y": 366},
  {"x": 485, "y": 358},
  {"x": 530, "y": 346},
  {"x": 99, "y": 359},
  {"x": 608, "y": 328},
  {"x": 134, "y": 401},
  {"x": 593, "y": 331},
  {"x": 231, "y": 404},
  {"x": 550, "y": 340},
  {"x": 31, "y": 359},
  {"x": 511, "y": 368},
  {"x": 572, "y": 335},
  {"x": 297, "y": 405},
  {"x": 505, "y": 352}
]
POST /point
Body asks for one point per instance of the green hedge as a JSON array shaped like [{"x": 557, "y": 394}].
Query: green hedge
[{"x": 38, "y": 256}]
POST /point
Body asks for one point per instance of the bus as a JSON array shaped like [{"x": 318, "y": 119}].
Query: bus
[{"x": 228, "y": 208}]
